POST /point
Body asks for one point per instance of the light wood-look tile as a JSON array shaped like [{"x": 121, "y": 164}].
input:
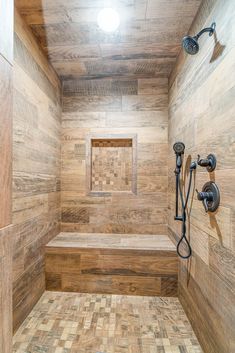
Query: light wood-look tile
[
  {"x": 86, "y": 323},
  {"x": 145, "y": 45},
  {"x": 6, "y": 29},
  {"x": 6, "y": 102},
  {"x": 201, "y": 114},
  {"x": 112, "y": 263},
  {"x": 114, "y": 108},
  {"x": 6, "y": 289},
  {"x": 36, "y": 167}
]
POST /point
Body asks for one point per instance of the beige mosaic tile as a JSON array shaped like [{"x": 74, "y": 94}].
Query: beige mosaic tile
[
  {"x": 111, "y": 165},
  {"x": 95, "y": 323}
]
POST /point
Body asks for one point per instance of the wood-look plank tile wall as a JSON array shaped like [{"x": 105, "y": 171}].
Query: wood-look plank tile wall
[
  {"x": 127, "y": 272},
  {"x": 146, "y": 44},
  {"x": 115, "y": 106},
  {"x": 36, "y": 167},
  {"x": 202, "y": 115},
  {"x": 6, "y": 95},
  {"x": 112, "y": 263},
  {"x": 6, "y": 52}
]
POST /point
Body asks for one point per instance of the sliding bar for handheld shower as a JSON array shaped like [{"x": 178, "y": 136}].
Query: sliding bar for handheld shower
[{"x": 179, "y": 150}]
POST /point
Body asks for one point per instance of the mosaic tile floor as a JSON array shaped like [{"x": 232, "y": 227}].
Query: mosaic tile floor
[{"x": 91, "y": 323}]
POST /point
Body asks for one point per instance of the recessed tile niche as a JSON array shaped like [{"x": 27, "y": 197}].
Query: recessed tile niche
[{"x": 111, "y": 164}]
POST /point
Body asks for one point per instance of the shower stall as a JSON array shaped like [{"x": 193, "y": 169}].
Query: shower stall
[{"x": 117, "y": 196}]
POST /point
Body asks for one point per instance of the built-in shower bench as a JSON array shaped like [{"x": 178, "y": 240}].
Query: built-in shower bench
[{"x": 112, "y": 263}]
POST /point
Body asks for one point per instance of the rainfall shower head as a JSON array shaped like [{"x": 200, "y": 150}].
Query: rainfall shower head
[
  {"x": 190, "y": 44},
  {"x": 179, "y": 147}
]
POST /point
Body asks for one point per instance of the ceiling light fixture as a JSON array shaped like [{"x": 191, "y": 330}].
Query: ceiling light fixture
[{"x": 108, "y": 20}]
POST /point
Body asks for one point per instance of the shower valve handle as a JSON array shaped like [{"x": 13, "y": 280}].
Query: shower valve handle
[{"x": 205, "y": 197}]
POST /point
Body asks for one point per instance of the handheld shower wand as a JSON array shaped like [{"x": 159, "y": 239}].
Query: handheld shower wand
[
  {"x": 179, "y": 148},
  {"x": 179, "y": 151}
]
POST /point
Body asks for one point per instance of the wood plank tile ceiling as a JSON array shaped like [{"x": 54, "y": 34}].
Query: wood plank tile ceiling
[{"x": 146, "y": 43}]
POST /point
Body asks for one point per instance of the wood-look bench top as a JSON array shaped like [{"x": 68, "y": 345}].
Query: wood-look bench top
[{"x": 112, "y": 241}]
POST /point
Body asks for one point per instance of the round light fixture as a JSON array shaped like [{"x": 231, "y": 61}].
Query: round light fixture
[{"x": 108, "y": 20}]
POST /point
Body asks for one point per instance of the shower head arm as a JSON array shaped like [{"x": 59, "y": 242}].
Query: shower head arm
[{"x": 210, "y": 29}]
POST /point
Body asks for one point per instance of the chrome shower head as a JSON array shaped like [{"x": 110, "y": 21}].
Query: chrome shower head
[{"x": 190, "y": 44}]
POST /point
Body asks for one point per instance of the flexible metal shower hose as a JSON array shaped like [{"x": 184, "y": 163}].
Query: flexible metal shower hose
[{"x": 184, "y": 218}]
